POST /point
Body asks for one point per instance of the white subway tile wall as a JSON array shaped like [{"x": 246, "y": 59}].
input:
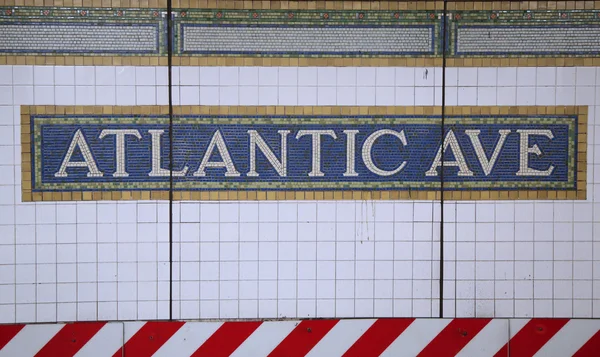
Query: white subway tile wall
[{"x": 297, "y": 259}]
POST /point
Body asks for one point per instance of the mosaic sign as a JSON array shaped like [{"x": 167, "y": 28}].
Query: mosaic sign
[{"x": 518, "y": 152}]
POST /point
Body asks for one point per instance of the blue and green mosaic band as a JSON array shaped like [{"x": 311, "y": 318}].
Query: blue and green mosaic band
[
  {"x": 235, "y": 35},
  {"x": 304, "y": 149}
]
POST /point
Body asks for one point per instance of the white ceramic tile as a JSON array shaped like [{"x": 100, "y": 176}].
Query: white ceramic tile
[
  {"x": 208, "y": 95},
  {"x": 85, "y": 76},
  {"x": 467, "y": 76},
  {"x": 385, "y": 76},
  {"x": 105, "y": 75},
  {"x": 43, "y": 75},
  {"x": 190, "y": 76},
  {"x": 327, "y": 76},
  {"x": 365, "y": 76},
  {"x": 507, "y": 76},
  {"x": 248, "y": 76},
  {"x": 346, "y": 76},
  {"x": 22, "y": 75},
  {"x": 228, "y": 76},
  {"x": 145, "y": 76},
  {"x": 267, "y": 76}
]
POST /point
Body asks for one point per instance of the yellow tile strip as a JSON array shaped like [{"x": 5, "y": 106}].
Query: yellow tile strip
[
  {"x": 297, "y": 62},
  {"x": 578, "y": 194}
]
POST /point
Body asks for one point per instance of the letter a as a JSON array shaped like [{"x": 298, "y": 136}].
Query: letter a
[
  {"x": 459, "y": 159},
  {"x": 79, "y": 141},
  {"x": 217, "y": 142}
]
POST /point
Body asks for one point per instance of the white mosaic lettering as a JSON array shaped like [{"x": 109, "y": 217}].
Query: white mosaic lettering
[
  {"x": 525, "y": 150},
  {"x": 350, "y": 152},
  {"x": 459, "y": 159},
  {"x": 157, "y": 170},
  {"x": 368, "y": 145},
  {"x": 88, "y": 158},
  {"x": 486, "y": 165},
  {"x": 316, "y": 148},
  {"x": 218, "y": 142},
  {"x": 257, "y": 140},
  {"x": 120, "y": 143}
]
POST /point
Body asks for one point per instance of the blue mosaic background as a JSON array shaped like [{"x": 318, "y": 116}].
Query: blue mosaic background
[{"x": 191, "y": 141}]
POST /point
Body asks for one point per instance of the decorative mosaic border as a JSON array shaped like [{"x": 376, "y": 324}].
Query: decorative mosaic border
[
  {"x": 432, "y": 194},
  {"x": 551, "y": 14},
  {"x": 319, "y": 4}
]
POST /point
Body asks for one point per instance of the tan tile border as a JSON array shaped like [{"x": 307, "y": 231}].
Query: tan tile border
[
  {"x": 43, "y": 60},
  {"x": 297, "y": 62},
  {"x": 314, "y": 5},
  {"x": 578, "y": 194}
]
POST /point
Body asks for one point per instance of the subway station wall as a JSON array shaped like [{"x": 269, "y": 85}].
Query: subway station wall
[{"x": 75, "y": 247}]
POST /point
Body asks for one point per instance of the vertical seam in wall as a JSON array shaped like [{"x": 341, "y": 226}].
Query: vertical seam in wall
[
  {"x": 170, "y": 95},
  {"x": 297, "y": 249},
  {"x": 257, "y": 297},
  {"x": 239, "y": 239},
  {"x": 441, "y": 258},
  {"x": 592, "y": 158},
  {"x": 532, "y": 259},
  {"x": 573, "y": 295},
  {"x": 514, "y": 251},
  {"x": 393, "y": 249},
  {"x": 35, "y": 246},
  {"x": 317, "y": 259},
  {"x": 355, "y": 261}
]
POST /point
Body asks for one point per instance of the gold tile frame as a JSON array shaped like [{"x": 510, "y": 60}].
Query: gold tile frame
[
  {"x": 578, "y": 194},
  {"x": 499, "y": 61}
]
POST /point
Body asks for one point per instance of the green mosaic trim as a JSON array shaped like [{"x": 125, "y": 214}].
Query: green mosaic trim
[
  {"x": 195, "y": 185},
  {"x": 133, "y": 16},
  {"x": 293, "y": 120}
]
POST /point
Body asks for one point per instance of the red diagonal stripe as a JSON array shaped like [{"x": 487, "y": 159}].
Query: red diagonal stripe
[
  {"x": 378, "y": 337},
  {"x": 7, "y": 332},
  {"x": 69, "y": 339},
  {"x": 227, "y": 339},
  {"x": 454, "y": 337},
  {"x": 591, "y": 347},
  {"x": 503, "y": 352},
  {"x": 532, "y": 337},
  {"x": 303, "y": 338},
  {"x": 149, "y": 339}
]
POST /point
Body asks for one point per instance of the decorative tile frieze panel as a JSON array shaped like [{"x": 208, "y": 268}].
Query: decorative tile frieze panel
[
  {"x": 359, "y": 35},
  {"x": 305, "y": 41},
  {"x": 525, "y": 40},
  {"x": 72, "y": 153},
  {"x": 76, "y": 37},
  {"x": 76, "y": 31}
]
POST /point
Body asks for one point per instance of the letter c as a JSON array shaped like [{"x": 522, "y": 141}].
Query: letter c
[{"x": 368, "y": 146}]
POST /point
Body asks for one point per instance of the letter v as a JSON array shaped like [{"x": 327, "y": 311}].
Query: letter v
[{"x": 486, "y": 165}]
